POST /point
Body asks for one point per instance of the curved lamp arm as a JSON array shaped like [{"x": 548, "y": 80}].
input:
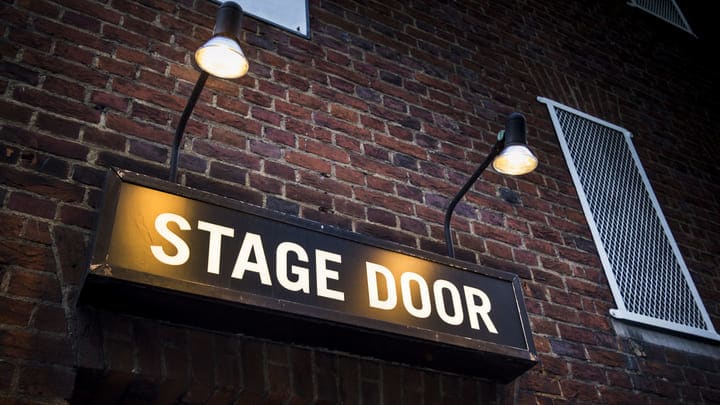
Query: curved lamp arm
[
  {"x": 448, "y": 213},
  {"x": 175, "y": 152},
  {"x": 221, "y": 57}
]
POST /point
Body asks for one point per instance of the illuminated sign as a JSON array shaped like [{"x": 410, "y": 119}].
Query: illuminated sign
[{"x": 243, "y": 269}]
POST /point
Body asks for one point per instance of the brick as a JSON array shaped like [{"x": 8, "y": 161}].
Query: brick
[
  {"x": 608, "y": 357},
  {"x": 153, "y": 96},
  {"x": 252, "y": 368},
  {"x": 324, "y": 183},
  {"x": 149, "y": 151},
  {"x": 266, "y": 184},
  {"x": 257, "y": 98},
  {"x": 229, "y": 173},
  {"x": 15, "y": 112},
  {"x": 72, "y": 251},
  {"x": 66, "y": 88},
  {"x": 73, "y": 70},
  {"x": 46, "y": 381},
  {"x": 29, "y": 204},
  {"x": 147, "y": 131},
  {"x": 225, "y": 189},
  {"x": 218, "y": 151},
  {"x": 389, "y": 202},
  {"x": 308, "y": 162},
  {"x": 37, "y": 231},
  {"x": 50, "y": 319},
  {"x": 386, "y": 233},
  {"x": 108, "y": 159},
  {"x": 350, "y": 175},
  {"x": 7, "y": 370},
  {"x": 52, "y": 103},
  {"x": 35, "y": 285},
  {"x": 60, "y": 147},
  {"x": 89, "y": 175},
  {"x": 20, "y": 73},
  {"x": 31, "y": 256},
  {"x": 62, "y": 127},
  {"x": 308, "y": 195},
  {"x": 21, "y": 344},
  {"x": 15, "y": 311},
  {"x": 344, "y": 114},
  {"x": 348, "y": 207},
  {"x": 306, "y": 100},
  {"x": 77, "y": 216},
  {"x": 327, "y": 216},
  {"x": 380, "y": 184},
  {"x": 266, "y": 149},
  {"x": 266, "y": 116},
  {"x": 48, "y": 165},
  {"x": 142, "y": 59},
  {"x": 109, "y": 139}
]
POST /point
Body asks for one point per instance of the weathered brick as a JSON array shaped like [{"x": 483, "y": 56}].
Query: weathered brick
[
  {"x": 52, "y": 103},
  {"x": 228, "y": 190},
  {"x": 29, "y": 204},
  {"x": 46, "y": 381},
  {"x": 15, "y": 112},
  {"x": 139, "y": 92},
  {"x": 31, "y": 256},
  {"x": 607, "y": 357},
  {"x": 324, "y": 183},
  {"x": 216, "y": 150},
  {"x": 50, "y": 319},
  {"x": 129, "y": 127},
  {"x": 35, "y": 285},
  {"x": 25, "y": 345},
  {"x": 20, "y": 73},
  {"x": 77, "y": 216},
  {"x": 16, "y": 312},
  {"x": 113, "y": 160}
]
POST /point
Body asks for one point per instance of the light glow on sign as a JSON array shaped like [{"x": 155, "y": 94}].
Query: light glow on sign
[{"x": 181, "y": 255}]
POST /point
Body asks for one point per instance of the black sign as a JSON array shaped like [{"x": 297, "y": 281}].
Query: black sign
[{"x": 215, "y": 252}]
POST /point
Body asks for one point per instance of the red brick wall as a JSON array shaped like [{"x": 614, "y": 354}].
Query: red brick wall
[{"x": 370, "y": 126}]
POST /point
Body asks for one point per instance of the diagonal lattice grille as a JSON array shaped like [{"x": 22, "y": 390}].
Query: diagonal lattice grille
[
  {"x": 666, "y": 10},
  {"x": 648, "y": 276}
]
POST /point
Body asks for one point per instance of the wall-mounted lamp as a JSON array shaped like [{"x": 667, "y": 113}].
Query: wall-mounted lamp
[
  {"x": 221, "y": 57},
  {"x": 510, "y": 155}
]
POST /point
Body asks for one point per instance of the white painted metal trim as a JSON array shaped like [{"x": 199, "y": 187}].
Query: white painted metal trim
[
  {"x": 685, "y": 26},
  {"x": 621, "y": 312},
  {"x": 289, "y": 15}
]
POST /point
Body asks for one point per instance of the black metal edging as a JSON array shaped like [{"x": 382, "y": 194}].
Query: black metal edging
[{"x": 176, "y": 300}]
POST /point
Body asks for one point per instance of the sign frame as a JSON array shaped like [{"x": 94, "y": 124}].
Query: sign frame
[{"x": 199, "y": 305}]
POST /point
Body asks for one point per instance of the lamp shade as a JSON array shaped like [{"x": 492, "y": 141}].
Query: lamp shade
[
  {"x": 221, "y": 56},
  {"x": 516, "y": 158}
]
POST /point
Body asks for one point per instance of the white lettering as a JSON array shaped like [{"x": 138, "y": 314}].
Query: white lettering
[
  {"x": 183, "y": 251},
  {"x": 215, "y": 244},
  {"x": 483, "y": 309},
  {"x": 323, "y": 274},
  {"x": 424, "y": 310},
  {"x": 303, "y": 277},
  {"x": 438, "y": 287},
  {"x": 252, "y": 242},
  {"x": 372, "y": 273}
]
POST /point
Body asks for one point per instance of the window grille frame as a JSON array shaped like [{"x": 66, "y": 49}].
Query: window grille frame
[
  {"x": 682, "y": 24},
  {"x": 622, "y": 312}
]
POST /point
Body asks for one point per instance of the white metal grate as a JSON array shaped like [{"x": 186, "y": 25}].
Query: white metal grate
[
  {"x": 666, "y": 10},
  {"x": 647, "y": 275}
]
